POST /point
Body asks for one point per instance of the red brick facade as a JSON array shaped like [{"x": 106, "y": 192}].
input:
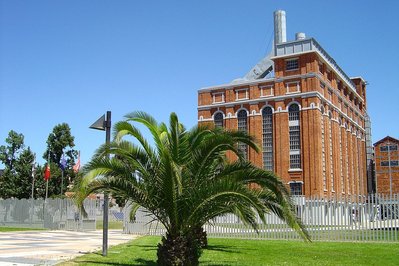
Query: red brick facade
[
  {"x": 331, "y": 122},
  {"x": 387, "y": 165}
]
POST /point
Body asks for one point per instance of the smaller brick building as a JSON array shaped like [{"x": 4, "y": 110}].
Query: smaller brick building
[{"x": 387, "y": 165}]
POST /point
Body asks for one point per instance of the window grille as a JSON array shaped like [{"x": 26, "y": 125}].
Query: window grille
[
  {"x": 323, "y": 150},
  {"x": 386, "y": 163},
  {"x": 294, "y": 137},
  {"x": 293, "y": 112},
  {"x": 390, "y": 147},
  {"x": 291, "y": 64},
  {"x": 242, "y": 126},
  {"x": 347, "y": 159},
  {"x": 218, "y": 120},
  {"x": 331, "y": 152},
  {"x": 341, "y": 164},
  {"x": 353, "y": 160},
  {"x": 295, "y": 161},
  {"x": 296, "y": 189},
  {"x": 267, "y": 136}
]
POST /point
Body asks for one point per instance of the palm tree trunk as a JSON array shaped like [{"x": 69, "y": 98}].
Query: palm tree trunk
[
  {"x": 201, "y": 236},
  {"x": 179, "y": 250}
]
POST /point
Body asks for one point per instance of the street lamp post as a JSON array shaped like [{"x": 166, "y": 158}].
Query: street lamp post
[{"x": 104, "y": 124}]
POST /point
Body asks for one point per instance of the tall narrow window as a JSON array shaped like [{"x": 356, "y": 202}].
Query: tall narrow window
[
  {"x": 323, "y": 149},
  {"x": 242, "y": 126},
  {"x": 353, "y": 153},
  {"x": 295, "y": 136},
  {"x": 330, "y": 141},
  {"x": 267, "y": 137},
  {"x": 347, "y": 158},
  {"x": 218, "y": 120},
  {"x": 341, "y": 164}
]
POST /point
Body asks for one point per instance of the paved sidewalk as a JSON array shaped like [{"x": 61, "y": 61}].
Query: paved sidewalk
[{"x": 51, "y": 247}]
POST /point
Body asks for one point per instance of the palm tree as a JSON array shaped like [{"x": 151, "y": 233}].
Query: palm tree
[{"x": 185, "y": 180}]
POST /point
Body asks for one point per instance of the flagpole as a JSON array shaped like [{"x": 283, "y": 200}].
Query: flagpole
[
  {"x": 33, "y": 188},
  {"x": 33, "y": 175},
  {"x": 47, "y": 172},
  {"x": 46, "y": 190},
  {"x": 62, "y": 181}
]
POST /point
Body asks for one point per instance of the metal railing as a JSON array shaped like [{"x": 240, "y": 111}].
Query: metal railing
[
  {"x": 50, "y": 214},
  {"x": 360, "y": 218}
]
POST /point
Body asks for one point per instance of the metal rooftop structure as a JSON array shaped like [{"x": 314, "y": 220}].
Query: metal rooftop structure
[{"x": 283, "y": 48}]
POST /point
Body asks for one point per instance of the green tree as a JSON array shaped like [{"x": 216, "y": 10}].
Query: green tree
[
  {"x": 60, "y": 141},
  {"x": 185, "y": 181},
  {"x": 16, "y": 180},
  {"x": 23, "y": 167},
  {"x": 40, "y": 183},
  {"x": 9, "y": 153}
]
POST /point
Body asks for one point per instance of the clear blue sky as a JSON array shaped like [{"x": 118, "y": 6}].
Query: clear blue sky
[{"x": 71, "y": 61}]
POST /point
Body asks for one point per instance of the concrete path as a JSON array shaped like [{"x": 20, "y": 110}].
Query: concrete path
[{"x": 51, "y": 247}]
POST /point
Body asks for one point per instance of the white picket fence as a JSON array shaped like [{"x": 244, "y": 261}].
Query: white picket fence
[{"x": 371, "y": 218}]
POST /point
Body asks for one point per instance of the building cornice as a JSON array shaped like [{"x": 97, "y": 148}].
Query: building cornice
[
  {"x": 281, "y": 98},
  {"x": 309, "y": 45},
  {"x": 301, "y": 76},
  {"x": 312, "y": 47}
]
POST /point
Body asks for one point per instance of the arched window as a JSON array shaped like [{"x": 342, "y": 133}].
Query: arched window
[
  {"x": 295, "y": 136},
  {"x": 242, "y": 126},
  {"x": 293, "y": 112},
  {"x": 218, "y": 120},
  {"x": 267, "y": 138}
]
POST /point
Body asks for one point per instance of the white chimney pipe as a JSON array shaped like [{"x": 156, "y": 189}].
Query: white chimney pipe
[
  {"x": 300, "y": 36},
  {"x": 280, "y": 28}
]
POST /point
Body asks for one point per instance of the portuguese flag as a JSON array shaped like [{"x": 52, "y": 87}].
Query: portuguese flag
[{"x": 47, "y": 172}]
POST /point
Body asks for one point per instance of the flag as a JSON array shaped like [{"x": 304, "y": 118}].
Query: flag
[
  {"x": 33, "y": 169},
  {"x": 47, "y": 172},
  {"x": 63, "y": 163},
  {"x": 77, "y": 165}
]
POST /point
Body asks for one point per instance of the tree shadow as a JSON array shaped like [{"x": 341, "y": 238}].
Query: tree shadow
[
  {"x": 220, "y": 263},
  {"x": 145, "y": 262},
  {"x": 223, "y": 248},
  {"x": 143, "y": 247},
  {"x": 106, "y": 263},
  {"x": 132, "y": 263}
]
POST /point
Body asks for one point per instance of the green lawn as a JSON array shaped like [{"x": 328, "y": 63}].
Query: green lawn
[
  {"x": 221, "y": 251},
  {"x": 111, "y": 225},
  {"x": 10, "y": 229}
]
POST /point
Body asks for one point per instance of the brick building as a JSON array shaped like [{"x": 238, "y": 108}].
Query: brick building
[
  {"x": 387, "y": 166},
  {"x": 306, "y": 113}
]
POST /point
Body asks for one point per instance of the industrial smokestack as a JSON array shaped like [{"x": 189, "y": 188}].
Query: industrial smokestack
[{"x": 280, "y": 28}]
